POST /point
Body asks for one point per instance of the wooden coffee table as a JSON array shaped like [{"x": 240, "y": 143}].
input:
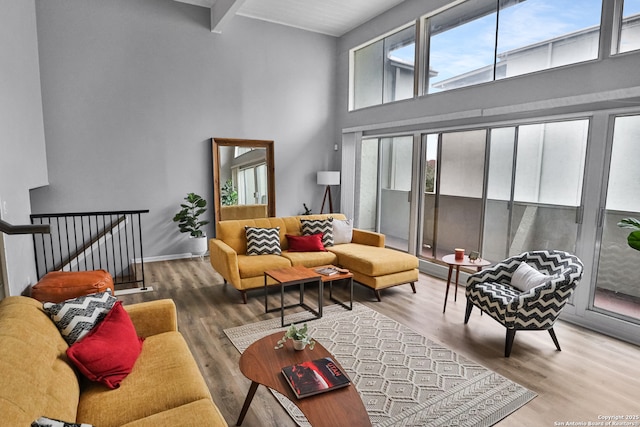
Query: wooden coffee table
[
  {"x": 261, "y": 363},
  {"x": 334, "y": 278},
  {"x": 290, "y": 276}
]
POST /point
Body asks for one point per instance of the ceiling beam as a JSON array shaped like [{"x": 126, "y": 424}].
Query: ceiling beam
[{"x": 221, "y": 12}]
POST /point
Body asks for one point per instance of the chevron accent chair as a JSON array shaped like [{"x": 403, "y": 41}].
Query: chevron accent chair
[{"x": 536, "y": 309}]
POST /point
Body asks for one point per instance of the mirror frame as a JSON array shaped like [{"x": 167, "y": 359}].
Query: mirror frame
[{"x": 271, "y": 181}]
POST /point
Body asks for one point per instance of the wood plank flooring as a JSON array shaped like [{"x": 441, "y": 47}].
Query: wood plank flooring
[{"x": 592, "y": 376}]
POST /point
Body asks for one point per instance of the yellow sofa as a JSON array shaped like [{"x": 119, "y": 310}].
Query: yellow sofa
[
  {"x": 165, "y": 387},
  {"x": 371, "y": 263}
]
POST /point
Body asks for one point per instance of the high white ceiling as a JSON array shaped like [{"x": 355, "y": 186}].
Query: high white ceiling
[{"x": 331, "y": 17}]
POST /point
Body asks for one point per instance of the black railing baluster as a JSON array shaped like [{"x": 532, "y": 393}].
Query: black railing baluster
[
  {"x": 144, "y": 287},
  {"x": 84, "y": 251},
  {"x": 51, "y": 248},
  {"x": 113, "y": 247},
  {"x": 100, "y": 246},
  {"x": 120, "y": 244},
  {"x": 66, "y": 233}
]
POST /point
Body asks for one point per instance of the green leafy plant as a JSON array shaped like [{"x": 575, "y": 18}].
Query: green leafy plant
[
  {"x": 228, "y": 194},
  {"x": 634, "y": 237},
  {"x": 187, "y": 218},
  {"x": 296, "y": 334}
]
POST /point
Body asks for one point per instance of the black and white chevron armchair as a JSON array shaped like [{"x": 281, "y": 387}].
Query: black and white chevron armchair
[{"x": 491, "y": 290}]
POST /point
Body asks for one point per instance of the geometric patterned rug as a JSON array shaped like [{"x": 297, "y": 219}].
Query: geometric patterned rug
[{"x": 404, "y": 378}]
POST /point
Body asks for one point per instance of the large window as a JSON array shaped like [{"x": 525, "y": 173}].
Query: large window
[
  {"x": 462, "y": 46},
  {"x": 383, "y": 71},
  {"x": 629, "y": 24},
  {"x": 479, "y": 41},
  {"x": 539, "y": 34},
  {"x": 532, "y": 35}
]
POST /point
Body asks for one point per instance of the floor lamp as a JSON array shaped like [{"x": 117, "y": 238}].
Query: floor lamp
[{"x": 328, "y": 178}]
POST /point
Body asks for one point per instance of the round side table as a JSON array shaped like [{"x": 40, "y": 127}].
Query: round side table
[{"x": 453, "y": 262}]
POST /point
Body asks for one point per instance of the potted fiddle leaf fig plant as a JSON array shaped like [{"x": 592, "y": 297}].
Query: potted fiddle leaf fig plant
[
  {"x": 189, "y": 222},
  {"x": 634, "y": 237},
  {"x": 300, "y": 337}
]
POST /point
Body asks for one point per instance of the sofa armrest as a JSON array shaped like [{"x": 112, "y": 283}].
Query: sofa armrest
[
  {"x": 365, "y": 237},
  {"x": 225, "y": 261},
  {"x": 153, "y": 317}
]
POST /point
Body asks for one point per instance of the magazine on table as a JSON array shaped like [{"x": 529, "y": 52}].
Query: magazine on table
[
  {"x": 315, "y": 376},
  {"x": 330, "y": 271}
]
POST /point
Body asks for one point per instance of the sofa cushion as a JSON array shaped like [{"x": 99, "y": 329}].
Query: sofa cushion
[
  {"x": 310, "y": 259},
  {"x": 191, "y": 414},
  {"x": 312, "y": 243},
  {"x": 342, "y": 231},
  {"x": 36, "y": 377},
  {"x": 107, "y": 354},
  {"x": 263, "y": 241},
  {"x": 164, "y": 363},
  {"x": 315, "y": 226},
  {"x": 76, "y": 317},
  {"x": 252, "y": 266},
  {"x": 373, "y": 261}
]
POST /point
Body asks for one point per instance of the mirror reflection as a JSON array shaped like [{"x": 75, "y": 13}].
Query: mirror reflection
[
  {"x": 243, "y": 173},
  {"x": 243, "y": 178}
]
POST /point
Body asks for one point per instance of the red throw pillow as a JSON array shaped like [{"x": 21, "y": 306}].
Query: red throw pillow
[
  {"x": 107, "y": 354},
  {"x": 312, "y": 243}
]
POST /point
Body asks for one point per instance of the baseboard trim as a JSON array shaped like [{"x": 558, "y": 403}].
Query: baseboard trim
[
  {"x": 133, "y": 291},
  {"x": 168, "y": 257}
]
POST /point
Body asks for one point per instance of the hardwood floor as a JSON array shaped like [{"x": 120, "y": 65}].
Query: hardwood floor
[{"x": 593, "y": 375}]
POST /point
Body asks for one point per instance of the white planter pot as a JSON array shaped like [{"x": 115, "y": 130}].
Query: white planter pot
[
  {"x": 299, "y": 344},
  {"x": 198, "y": 245}
]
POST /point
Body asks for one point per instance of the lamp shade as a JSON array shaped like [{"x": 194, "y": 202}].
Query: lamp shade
[{"x": 329, "y": 178}]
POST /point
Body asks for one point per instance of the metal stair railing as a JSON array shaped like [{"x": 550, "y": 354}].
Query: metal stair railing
[{"x": 83, "y": 241}]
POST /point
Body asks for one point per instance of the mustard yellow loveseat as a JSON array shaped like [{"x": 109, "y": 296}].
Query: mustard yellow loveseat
[
  {"x": 165, "y": 387},
  {"x": 371, "y": 263}
]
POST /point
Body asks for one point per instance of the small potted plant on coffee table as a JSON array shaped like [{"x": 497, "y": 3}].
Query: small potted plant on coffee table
[{"x": 300, "y": 337}]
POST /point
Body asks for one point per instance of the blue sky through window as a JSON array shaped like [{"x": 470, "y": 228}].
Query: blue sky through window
[{"x": 470, "y": 46}]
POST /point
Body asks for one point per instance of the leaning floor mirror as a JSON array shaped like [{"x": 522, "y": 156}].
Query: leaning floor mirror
[{"x": 243, "y": 178}]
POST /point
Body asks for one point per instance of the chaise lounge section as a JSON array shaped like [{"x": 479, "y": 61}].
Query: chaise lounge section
[{"x": 365, "y": 256}]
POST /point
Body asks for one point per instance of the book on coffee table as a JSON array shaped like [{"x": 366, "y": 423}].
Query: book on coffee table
[
  {"x": 330, "y": 271},
  {"x": 315, "y": 376}
]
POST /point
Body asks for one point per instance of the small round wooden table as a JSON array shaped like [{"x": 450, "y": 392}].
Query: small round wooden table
[
  {"x": 453, "y": 262},
  {"x": 261, "y": 363}
]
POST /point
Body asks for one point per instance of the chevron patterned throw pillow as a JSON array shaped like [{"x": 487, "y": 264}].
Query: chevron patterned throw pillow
[
  {"x": 315, "y": 226},
  {"x": 76, "y": 317},
  {"x": 263, "y": 241}
]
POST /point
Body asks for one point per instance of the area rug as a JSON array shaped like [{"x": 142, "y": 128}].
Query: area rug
[{"x": 403, "y": 377}]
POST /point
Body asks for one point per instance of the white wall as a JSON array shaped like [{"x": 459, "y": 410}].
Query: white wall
[
  {"x": 22, "y": 146},
  {"x": 133, "y": 90}
]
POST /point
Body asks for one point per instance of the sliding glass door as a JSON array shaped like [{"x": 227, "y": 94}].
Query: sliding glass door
[
  {"x": 384, "y": 200},
  {"x": 534, "y": 188},
  {"x": 548, "y": 185},
  {"x": 617, "y": 288},
  {"x": 497, "y": 223},
  {"x": 460, "y": 191},
  {"x": 502, "y": 191}
]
